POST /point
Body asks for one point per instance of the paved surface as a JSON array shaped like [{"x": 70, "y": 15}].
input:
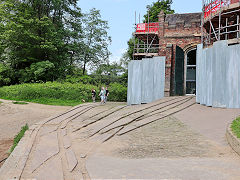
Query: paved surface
[
  {"x": 161, "y": 140},
  {"x": 14, "y": 116}
]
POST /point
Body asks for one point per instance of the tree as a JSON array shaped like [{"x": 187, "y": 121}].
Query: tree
[
  {"x": 156, "y": 8},
  {"x": 94, "y": 49},
  {"x": 35, "y": 31},
  {"x": 110, "y": 69},
  {"x": 125, "y": 59}
]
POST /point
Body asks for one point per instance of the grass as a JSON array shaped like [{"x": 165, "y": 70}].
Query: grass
[
  {"x": 20, "y": 102},
  {"x": 18, "y": 137},
  {"x": 236, "y": 127},
  {"x": 55, "y": 102},
  {"x": 1, "y": 102},
  {"x": 61, "y": 94}
]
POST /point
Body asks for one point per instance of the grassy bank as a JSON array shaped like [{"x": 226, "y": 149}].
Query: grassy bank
[
  {"x": 55, "y": 93},
  {"x": 236, "y": 127},
  {"x": 18, "y": 137}
]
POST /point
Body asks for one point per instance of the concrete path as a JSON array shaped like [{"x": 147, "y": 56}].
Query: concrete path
[{"x": 161, "y": 140}]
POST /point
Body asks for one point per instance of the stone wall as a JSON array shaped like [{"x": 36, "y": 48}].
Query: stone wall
[{"x": 232, "y": 140}]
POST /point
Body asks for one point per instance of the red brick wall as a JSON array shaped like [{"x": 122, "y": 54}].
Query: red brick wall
[{"x": 172, "y": 36}]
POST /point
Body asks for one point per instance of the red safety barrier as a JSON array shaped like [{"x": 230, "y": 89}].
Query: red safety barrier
[
  {"x": 215, "y": 6},
  {"x": 145, "y": 27},
  {"x": 234, "y": 1}
]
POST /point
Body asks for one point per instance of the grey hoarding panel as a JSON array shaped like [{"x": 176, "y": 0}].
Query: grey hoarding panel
[
  {"x": 232, "y": 66},
  {"x": 219, "y": 92},
  {"x": 158, "y": 77},
  {"x": 218, "y": 71},
  {"x": 198, "y": 73},
  {"x": 146, "y": 80},
  {"x": 209, "y": 61},
  {"x": 134, "y": 84}
]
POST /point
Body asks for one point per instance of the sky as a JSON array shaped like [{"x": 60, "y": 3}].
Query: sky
[{"x": 120, "y": 15}]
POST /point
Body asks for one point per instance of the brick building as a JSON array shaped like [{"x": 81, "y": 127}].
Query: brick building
[{"x": 175, "y": 36}]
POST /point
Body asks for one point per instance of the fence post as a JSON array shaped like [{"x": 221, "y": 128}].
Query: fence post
[
  {"x": 238, "y": 27},
  {"x": 219, "y": 28}
]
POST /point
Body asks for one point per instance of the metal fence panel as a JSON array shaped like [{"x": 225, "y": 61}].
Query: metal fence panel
[
  {"x": 209, "y": 62},
  {"x": 233, "y": 76},
  {"x": 218, "y": 71},
  {"x": 158, "y": 77},
  {"x": 198, "y": 73},
  {"x": 146, "y": 80},
  {"x": 135, "y": 82}
]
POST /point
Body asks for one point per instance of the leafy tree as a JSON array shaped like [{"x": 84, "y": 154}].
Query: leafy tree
[
  {"x": 125, "y": 59},
  {"x": 6, "y": 74},
  {"x": 94, "y": 49},
  {"x": 113, "y": 69},
  {"x": 35, "y": 31},
  {"x": 155, "y": 8},
  {"x": 40, "y": 71}
]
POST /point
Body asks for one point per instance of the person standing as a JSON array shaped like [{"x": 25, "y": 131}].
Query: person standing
[
  {"x": 102, "y": 95},
  {"x": 106, "y": 94},
  {"x": 94, "y": 95}
]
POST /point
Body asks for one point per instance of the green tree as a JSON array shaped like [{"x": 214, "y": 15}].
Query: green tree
[
  {"x": 125, "y": 59},
  {"x": 94, "y": 50},
  {"x": 35, "y": 31},
  {"x": 6, "y": 74},
  {"x": 155, "y": 8},
  {"x": 113, "y": 69}
]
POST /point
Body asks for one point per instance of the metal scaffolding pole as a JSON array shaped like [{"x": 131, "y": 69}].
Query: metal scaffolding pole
[
  {"x": 226, "y": 35},
  {"x": 219, "y": 28},
  {"x": 135, "y": 34},
  {"x": 147, "y": 33},
  {"x": 238, "y": 27}
]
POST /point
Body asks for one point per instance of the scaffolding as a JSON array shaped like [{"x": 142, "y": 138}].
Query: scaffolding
[
  {"x": 220, "y": 21},
  {"x": 146, "y": 41}
]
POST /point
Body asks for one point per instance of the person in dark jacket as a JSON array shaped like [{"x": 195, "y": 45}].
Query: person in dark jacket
[
  {"x": 94, "y": 95},
  {"x": 106, "y": 94}
]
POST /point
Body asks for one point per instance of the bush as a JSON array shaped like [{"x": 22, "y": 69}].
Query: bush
[
  {"x": 117, "y": 93},
  {"x": 55, "y": 93},
  {"x": 236, "y": 127}
]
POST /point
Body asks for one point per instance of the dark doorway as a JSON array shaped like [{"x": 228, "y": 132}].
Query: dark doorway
[
  {"x": 179, "y": 72},
  {"x": 191, "y": 72}
]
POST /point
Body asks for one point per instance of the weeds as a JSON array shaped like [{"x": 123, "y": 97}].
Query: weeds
[{"x": 18, "y": 137}]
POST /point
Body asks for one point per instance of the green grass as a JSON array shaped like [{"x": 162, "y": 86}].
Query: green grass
[
  {"x": 62, "y": 94},
  {"x": 18, "y": 137},
  {"x": 236, "y": 127},
  {"x": 1, "y": 102},
  {"x": 20, "y": 102}
]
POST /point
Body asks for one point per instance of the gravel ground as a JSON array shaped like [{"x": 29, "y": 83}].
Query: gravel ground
[{"x": 168, "y": 138}]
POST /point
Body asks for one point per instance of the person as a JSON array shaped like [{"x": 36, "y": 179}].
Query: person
[
  {"x": 106, "y": 94},
  {"x": 94, "y": 95},
  {"x": 102, "y": 95}
]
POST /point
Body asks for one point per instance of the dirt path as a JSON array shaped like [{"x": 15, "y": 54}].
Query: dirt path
[
  {"x": 116, "y": 141},
  {"x": 13, "y": 117}
]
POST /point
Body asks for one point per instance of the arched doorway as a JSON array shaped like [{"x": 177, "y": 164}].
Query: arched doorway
[
  {"x": 179, "y": 72},
  {"x": 190, "y": 71},
  {"x": 185, "y": 70}
]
